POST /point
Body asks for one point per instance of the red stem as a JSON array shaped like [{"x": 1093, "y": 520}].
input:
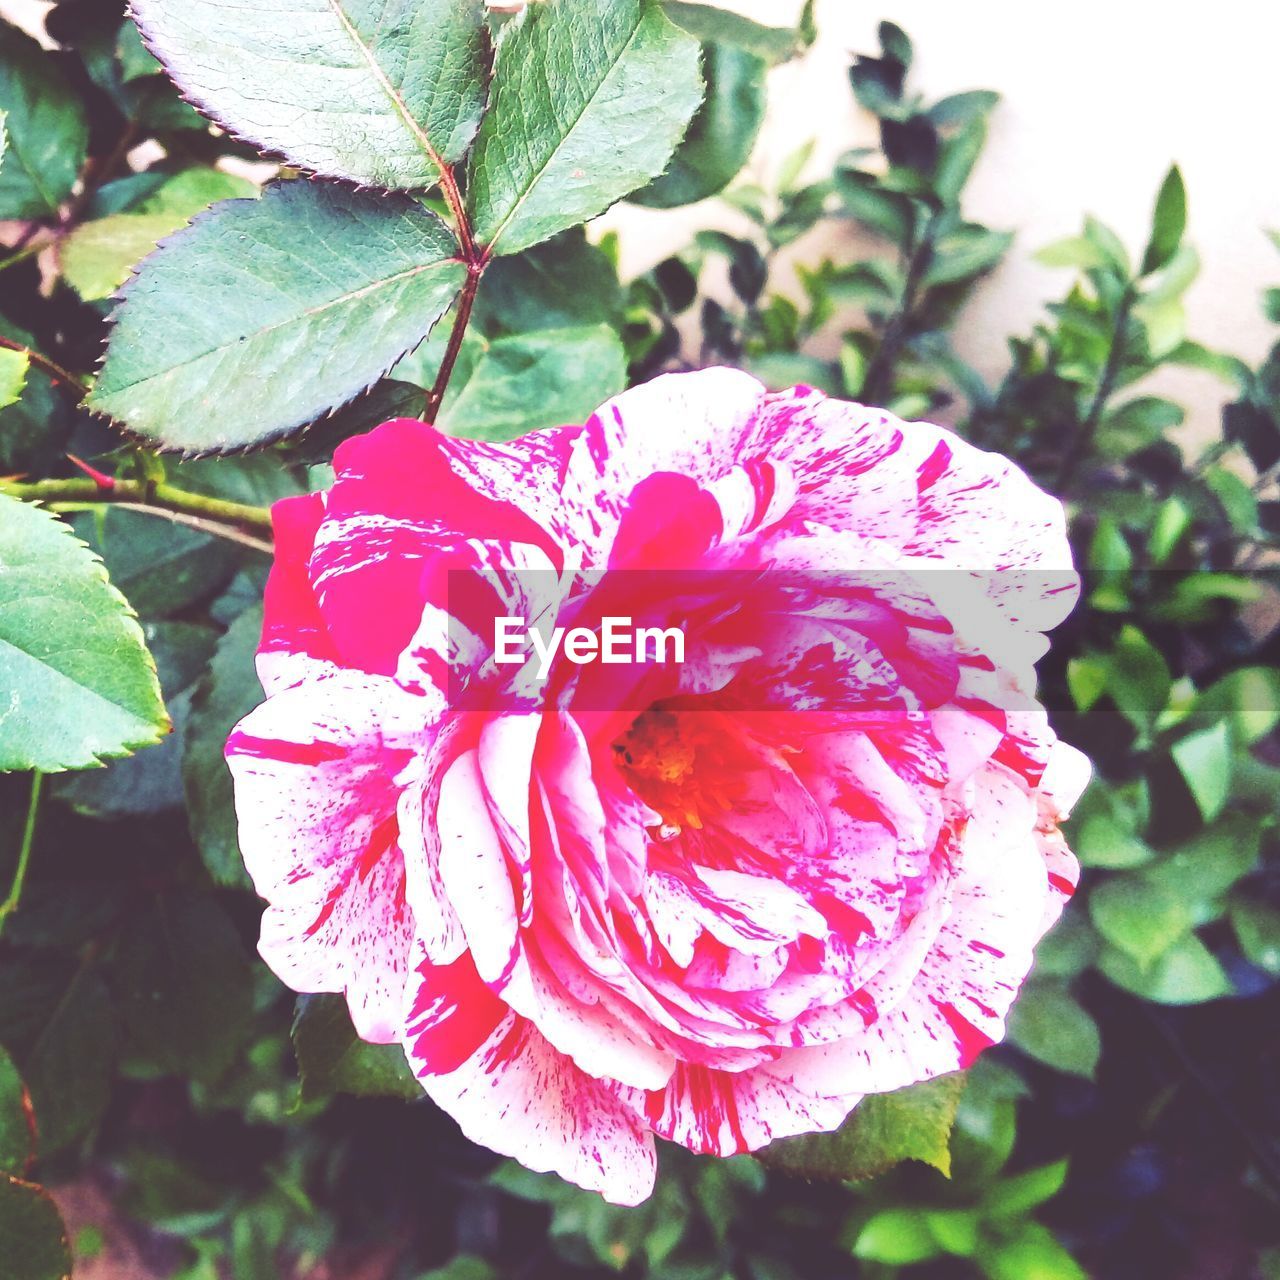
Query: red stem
[
  {"x": 476, "y": 259},
  {"x": 55, "y": 371},
  {"x": 466, "y": 300}
]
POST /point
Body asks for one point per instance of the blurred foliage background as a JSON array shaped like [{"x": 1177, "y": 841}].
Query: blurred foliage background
[{"x": 1130, "y": 1127}]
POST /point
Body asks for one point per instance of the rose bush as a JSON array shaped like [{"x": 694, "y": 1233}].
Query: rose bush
[{"x": 718, "y": 901}]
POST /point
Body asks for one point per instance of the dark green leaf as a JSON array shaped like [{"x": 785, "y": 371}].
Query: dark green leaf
[
  {"x": 151, "y": 781},
  {"x": 161, "y": 568},
  {"x": 46, "y": 128},
  {"x": 1257, "y": 928},
  {"x": 895, "y": 43},
  {"x": 33, "y": 1241},
  {"x": 71, "y": 1063},
  {"x": 723, "y": 133},
  {"x": 17, "y": 1121},
  {"x": 960, "y": 108},
  {"x": 1256, "y": 430},
  {"x": 714, "y": 25},
  {"x": 262, "y": 315},
  {"x": 964, "y": 253},
  {"x": 1168, "y": 222},
  {"x": 387, "y": 399},
  {"x": 376, "y": 91},
  {"x": 229, "y": 692},
  {"x": 535, "y": 380},
  {"x": 956, "y": 159},
  {"x": 885, "y": 212},
  {"x": 562, "y": 284},
  {"x": 883, "y": 1130},
  {"x": 80, "y": 685},
  {"x": 333, "y": 1059},
  {"x": 181, "y": 976},
  {"x": 1050, "y": 1026},
  {"x": 627, "y": 84},
  {"x": 1210, "y": 863}
]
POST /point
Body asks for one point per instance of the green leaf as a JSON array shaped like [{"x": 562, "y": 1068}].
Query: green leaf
[
  {"x": 264, "y": 314},
  {"x": 1073, "y": 251},
  {"x": 17, "y": 1121},
  {"x": 565, "y": 283},
  {"x": 98, "y": 257},
  {"x": 1016, "y": 1196},
  {"x": 1114, "y": 254},
  {"x": 1174, "y": 278},
  {"x": 1141, "y": 917},
  {"x": 1047, "y": 1024},
  {"x": 71, "y": 1064},
  {"x": 182, "y": 979},
  {"x": 1187, "y": 973},
  {"x": 896, "y": 1237},
  {"x": 722, "y": 135},
  {"x": 960, "y": 108},
  {"x": 47, "y": 132},
  {"x": 150, "y": 782},
  {"x": 333, "y": 1059},
  {"x": 229, "y": 692},
  {"x": 1136, "y": 424},
  {"x": 966, "y": 252},
  {"x": 714, "y": 25},
  {"x": 161, "y": 568},
  {"x": 1033, "y": 1254},
  {"x": 1104, "y": 840},
  {"x": 79, "y": 683},
  {"x": 535, "y": 380},
  {"x": 13, "y": 376},
  {"x": 1138, "y": 679},
  {"x": 1257, "y": 929},
  {"x": 1168, "y": 222},
  {"x": 956, "y": 160},
  {"x": 1068, "y": 949},
  {"x": 956, "y": 1230},
  {"x": 33, "y": 1240},
  {"x": 885, "y": 212},
  {"x": 883, "y": 1130},
  {"x": 1248, "y": 699},
  {"x": 626, "y": 86},
  {"x": 1210, "y": 863},
  {"x": 1204, "y": 760},
  {"x": 375, "y": 91}
]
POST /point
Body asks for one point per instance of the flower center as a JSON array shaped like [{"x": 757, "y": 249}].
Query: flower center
[{"x": 684, "y": 763}]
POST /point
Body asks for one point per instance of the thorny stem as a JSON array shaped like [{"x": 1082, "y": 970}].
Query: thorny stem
[
  {"x": 55, "y": 371},
  {"x": 157, "y": 499},
  {"x": 476, "y": 259},
  {"x": 10, "y": 904},
  {"x": 227, "y": 532}
]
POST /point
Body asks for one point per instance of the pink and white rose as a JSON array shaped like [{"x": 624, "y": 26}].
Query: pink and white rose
[{"x": 718, "y": 901}]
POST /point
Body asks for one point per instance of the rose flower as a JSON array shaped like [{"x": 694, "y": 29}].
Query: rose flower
[{"x": 720, "y": 899}]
